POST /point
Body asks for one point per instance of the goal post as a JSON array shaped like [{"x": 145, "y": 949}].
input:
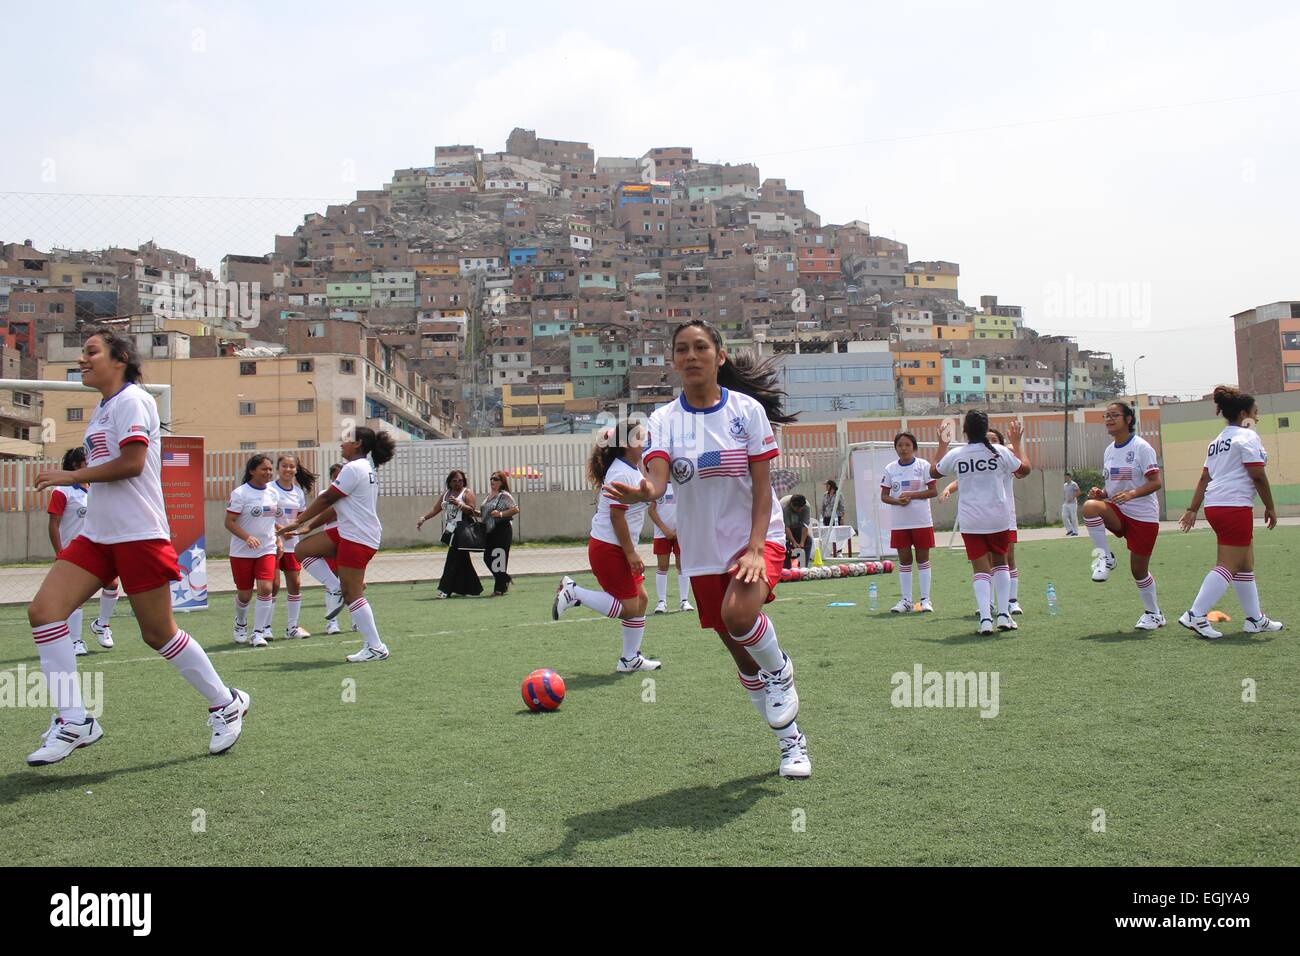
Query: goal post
[{"x": 866, "y": 462}]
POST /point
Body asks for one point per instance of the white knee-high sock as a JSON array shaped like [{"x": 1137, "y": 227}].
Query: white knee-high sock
[
  {"x": 599, "y": 601},
  {"x": 1243, "y": 582},
  {"x": 683, "y": 586},
  {"x": 264, "y": 612},
  {"x": 74, "y": 623},
  {"x": 1147, "y": 589},
  {"x": 364, "y": 618},
  {"x": 1015, "y": 584},
  {"x": 633, "y": 632},
  {"x": 241, "y": 613},
  {"x": 760, "y": 641},
  {"x": 1097, "y": 531},
  {"x": 319, "y": 569},
  {"x": 1002, "y": 587},
  {"x": 1212, "y": 590},
  {"x": 923, "y": 579},
  {"x": 188, "y": 657},
  {"x": 294, "y": 602},
  {"x": 107, "y": 601},
  {"x": 757, "y": 692},
  {"x": 59, "y": 665},
  {"x": 661, "y": 586},
  {"x": 905, "y": 581},
  {"x": 983, "y": 584}
]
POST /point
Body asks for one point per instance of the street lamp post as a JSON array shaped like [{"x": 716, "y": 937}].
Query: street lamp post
[{"x": 1137, "y": 400}]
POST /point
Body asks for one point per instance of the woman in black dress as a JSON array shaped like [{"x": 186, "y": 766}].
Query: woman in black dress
[
  {"x": 498, "y": 510},
  {"x": 457, "y": 504}
]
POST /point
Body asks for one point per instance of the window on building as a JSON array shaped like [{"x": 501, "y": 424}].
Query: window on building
[
  {"x": 1292, "y": 374},
  {"x": 23, "y": 399},
  {"x": 957, "y": 379},
  {"x": 348, "y": 366},
  {"x": 306, "y": 443},
  {"x": 74, "y": 414},
  {"x": 304, "y": 365},
  {"x": 316, "y": 330},
  {"x": 72, "y": 375},
  {"x": 306, "y": 405},
  {"x": 248, "y": 408},
  {"x": 1291, "y": 340},
  {"x": 26, "y": 307},
  {"x": 247, "y": 445},
  {"x": 911, "y": 380},
  {"x": 247, "y": 368}
]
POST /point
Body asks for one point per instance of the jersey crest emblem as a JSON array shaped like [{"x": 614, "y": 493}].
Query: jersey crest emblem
[
  {"x": 683, "y": 469},
  {"x": 737, "y": 428}
]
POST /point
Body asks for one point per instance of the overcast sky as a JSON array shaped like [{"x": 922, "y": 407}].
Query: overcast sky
[{"x": 1126, "y": 172}]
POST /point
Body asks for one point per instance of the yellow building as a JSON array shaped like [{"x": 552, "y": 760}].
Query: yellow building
[
  {"x": 987, "y": 326},
  {"x": 1002, "y": 386},
  {"x": 951, "y": 333},
  {"x": 523, "y": 408}
]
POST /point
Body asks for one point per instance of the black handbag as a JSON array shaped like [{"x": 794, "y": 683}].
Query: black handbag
[{"x": 470, "y": 535}]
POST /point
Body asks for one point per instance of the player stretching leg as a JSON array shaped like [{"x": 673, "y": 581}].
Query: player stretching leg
[
  {"x": 251, "y": 518},
  {"x": 716, "y": 444},
  {"x": 663, "y": 513},
  {"x": 908, "y": 487},
  {"x": 325, "y": 570},
  {"x": 618, "y": 568},
  {"x": 293, "y": 484},
  {"x": 126, "y": 534}
]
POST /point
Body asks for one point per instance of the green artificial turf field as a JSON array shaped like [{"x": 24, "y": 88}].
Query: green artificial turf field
[{"x": 437, "y": 761}]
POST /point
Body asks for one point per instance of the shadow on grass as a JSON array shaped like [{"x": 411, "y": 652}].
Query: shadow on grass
[
  {"x": 694, "y": 809},
  {"x": 590, "y": 681},
  {"x": 289, "y": 666},
  {"x": 1116, "y": 637},
  {"x": 971, "y": 638},
  {"x": 36, "y": 781}
]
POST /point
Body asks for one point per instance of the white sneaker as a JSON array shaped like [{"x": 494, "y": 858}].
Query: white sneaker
[
  {"x": 661, "y": 607},
  {"x": 241, "y": 633},
  {"x": 1102, "y": 566},
  {"x": 986, "y": 625},
  {"x": 1261, "y": 624},
  {"x": 637, "y": 663},
  {"x": 794, "y": 757},
  {"x": 259, "y": 639},
  {"x": 367, "y": 654},
  {"x": 1007, "y": 623},
  {"x": 686, "y": 606},
  {"x": 333, "y": 604},
  {"x": 333, "y": 628},
  {"x": 1013, "y": 607},
  {"x": 290, "y": 633},
  {"x": 103, "y": 633},
  {"x": 228, "y": 722},
  {"x": 1199, "y": 624},
  {"x": 564, "y": 597},
  {"x": 902, "y": 607},
  {"x": 925, "y": 606},
  {"x": 782, "y": 698},
  {"x": 79, "y": 648},
  {"x": 1150, "y": 622},
  {"x": 62, "y": 738}
]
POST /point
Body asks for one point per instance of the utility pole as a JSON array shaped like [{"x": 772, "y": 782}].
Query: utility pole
[{"x": 1065, "y": 460}]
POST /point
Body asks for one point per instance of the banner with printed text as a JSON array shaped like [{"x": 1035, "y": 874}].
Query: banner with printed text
[{"x": 182, "y": 481}]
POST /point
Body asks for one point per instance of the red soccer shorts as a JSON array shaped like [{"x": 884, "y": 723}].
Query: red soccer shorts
[
  {"x": 911, "y": 538},
  {"x": 349, "y": 554},
  {"x": 289, "y": 562},
  {"x": 978, "y": 545},
  {"x": 247, "y": 570},
  {"x": 710, "y": 589},
  {"x": 142, "y": 565},
  {"x": 668, "y": 546},
  {"x": 1140, "y": 536},
  {"x": 613, "y": 573},
  {"x": 1235, "y": 524}
]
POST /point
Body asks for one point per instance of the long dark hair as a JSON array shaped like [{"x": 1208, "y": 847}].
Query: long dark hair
[
  {"x": 744, "y": 373},
  {"x": 253, "y": 463},
  {"x": 379, "y": 445},
  {"x": 1130, "y": 416},
  {"x": 502, "y": 477},
  {"x": 121, "y": 349},
  {"x": 612, "y": 444},
  {"x": 976, "y": 427},
  {"x": 1233, "y": 402},
  {"x": 305, "y": 479},
  {"x": 74, "y": 458}
]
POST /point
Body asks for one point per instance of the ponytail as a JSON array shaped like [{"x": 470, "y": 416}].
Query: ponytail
[
  {"x": 73, "y": 458},
  {"x": 976, "y": 427},
  {"x": 611, "y": 445},
  {"x": 379, "y": 445},
  {"x": 305, "y": 479},
  {"x": 1233, "y": 402},
  {"x": 746, "y": 374}
]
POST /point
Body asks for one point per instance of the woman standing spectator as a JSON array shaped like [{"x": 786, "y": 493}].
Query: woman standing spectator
[
  {"x": 457, "y": 504},
  {"x": 498, "y": 511},
  {"x": 832, "y": 508}
]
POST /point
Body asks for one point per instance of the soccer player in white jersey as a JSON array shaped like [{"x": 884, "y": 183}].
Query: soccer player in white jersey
[
  {"x": 354, "y": 496},
  {"x": 611, "y": 549},
  {"x": 1232, "y": 476},
  {"x": 907, "y": 487},
  {"x": 716, "y": 444},
  {"x": 67, "y": 511},
  {"x": 252, "y": 517},
  {"x": 663, "y": 514},
  {"x": 293, "y": 483},
  {"x": 1128, "y": 508},
  {"x": 126, "y": 535},
  {"x": 985, "y": 512}
]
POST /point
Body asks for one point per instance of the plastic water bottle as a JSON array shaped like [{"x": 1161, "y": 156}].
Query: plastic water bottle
[
  {"x": 873, "y": 596},
  {"x": 1052, "y": 607}
]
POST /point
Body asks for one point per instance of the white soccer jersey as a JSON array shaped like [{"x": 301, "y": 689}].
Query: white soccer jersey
[
  {"x": 1129, "y": 466},
  {"x": 130, "y": 509},
  {"x": 899, "y": 478},
  {"x": 69, "y": 503},
  {"x": 293, "y": 502},
  {"x": 602, "y": 529},
  {"x": 1226, "y": 460},
  {"x": 709, "y": 451},
  {"x": 259, "y": 512},
  {"x": 358, "y": 509},
  {"x": 666, "y": 508},
  {"x": 985, "y": 504}
]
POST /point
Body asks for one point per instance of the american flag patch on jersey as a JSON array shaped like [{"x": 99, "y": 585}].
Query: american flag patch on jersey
[
  {"x": 733, "y": 463},
  {"x": 98, "y": 445},
  {"x": 177, "y": 459},
  {"x": 137, "y": 428},
  {"x": 909, "y": 484},
  {"x": 1121, "y": 474}
]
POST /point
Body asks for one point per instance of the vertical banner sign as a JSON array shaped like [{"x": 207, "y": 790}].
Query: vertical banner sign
[
  {"x": 867, "y": 465},
  {"x": 182, "y": 481}
]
